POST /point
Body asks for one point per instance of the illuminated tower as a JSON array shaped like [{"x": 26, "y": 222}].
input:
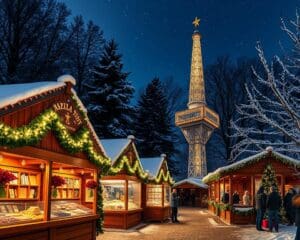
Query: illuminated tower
[{"x": 198, "y": 121}]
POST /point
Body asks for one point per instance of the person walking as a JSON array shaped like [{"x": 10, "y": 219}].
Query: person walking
[
  {"x": 235, "y": 197},
  {"x": 288, "y": 206},
  {"x": 174, "y": 205},
  {"x": 261, "y": 201},
  {"x": 296, "y": 204},
  {"x": 273, "y": 206}
]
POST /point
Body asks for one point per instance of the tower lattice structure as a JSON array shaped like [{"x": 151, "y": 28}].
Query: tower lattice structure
[{"x": 198, "y": 121}]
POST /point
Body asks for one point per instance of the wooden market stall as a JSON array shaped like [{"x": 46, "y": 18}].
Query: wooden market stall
[
  {"x": 156, "y": 193},
  {"x": 192, "y": 192},
  {"x": 122, "y": 188},
  {"x": 246, "y": 175},
  {"x": 48, "y": 154}
]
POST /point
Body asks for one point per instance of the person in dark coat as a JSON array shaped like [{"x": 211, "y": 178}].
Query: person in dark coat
[
  {"x": 261, "y": 202},
  {"x": 296, "y": 204},
  {"x": 174, "y": 205},
  {"x": 225, "y": 197},
  {"x": 288, "y": 206},
  {"x": 273, "y": 206},
  {"x": 235, "y": 198}
]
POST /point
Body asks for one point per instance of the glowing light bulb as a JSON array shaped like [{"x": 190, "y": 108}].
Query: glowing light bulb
[
  {"x": 92, "y": 174},
  {"x": 42, "y": 166},
  {"x": 82, "y": 172},
  {"x": 72, "y": 171},
  {"x": 23, "y": 162},
  {"x": 60, "y": 168},
  {"x": 1, "y": 158}
]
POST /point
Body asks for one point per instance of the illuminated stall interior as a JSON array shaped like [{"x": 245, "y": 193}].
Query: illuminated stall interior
[
  {"x": 122, "y": 189},
  {"x": 157, "y": 192},
  {"x": 246, "y": 175}
]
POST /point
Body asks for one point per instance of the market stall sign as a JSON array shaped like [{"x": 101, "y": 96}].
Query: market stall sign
[{"x": 69, "y": 115}]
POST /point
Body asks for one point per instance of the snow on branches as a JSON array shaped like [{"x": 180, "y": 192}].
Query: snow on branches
[{"x": 272, "y": 112}]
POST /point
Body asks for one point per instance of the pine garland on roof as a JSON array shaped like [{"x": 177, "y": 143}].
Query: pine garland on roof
[{"x": 34, "y": 132}]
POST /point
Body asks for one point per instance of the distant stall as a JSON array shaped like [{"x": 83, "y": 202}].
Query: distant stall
[
  {"x": 122, "y": 189},
  {"x": 156, "y": 193},
  {"x": 192, "y": 192},
  {"x": 246, "y": 175}
]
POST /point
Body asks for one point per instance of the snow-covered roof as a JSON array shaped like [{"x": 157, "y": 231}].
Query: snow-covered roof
[
  {"x": 194, "y": 181},
  {"x": 115, "y": 147},
  {"x": 249, "y": 160},
  {"x": 152, "y": 165},
  {"x": 13, "y": 93}
]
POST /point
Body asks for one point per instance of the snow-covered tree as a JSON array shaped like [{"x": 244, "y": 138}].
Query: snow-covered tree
[
  {"x": 153, "y": 124},
  {"x": 273, "y": 102},
  {"x": 109, "y": 94}
]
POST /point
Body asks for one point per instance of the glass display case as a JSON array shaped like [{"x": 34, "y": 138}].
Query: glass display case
[
  {"x": 62, "y": 209},
  {"x": 134, "y": 195},
  {"x": 113, "y": 194},
  {"x": 154, "y": 195},
  {"x": 167, "y": 195},
  {"x": 20, "y": 212}
]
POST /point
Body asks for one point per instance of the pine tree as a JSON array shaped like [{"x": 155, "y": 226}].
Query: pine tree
[
  {"x": 153, "y": 126},
  {"x": 269, "y": 178},
  {"x": 109, "y": 94}
]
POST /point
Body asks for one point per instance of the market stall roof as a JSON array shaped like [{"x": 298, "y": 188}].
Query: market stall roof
[
  {"x": 115, "y": 147},
  {"x": 153, "y": 164},
  {"x": 194, "y": 181},
  {"x": 269, "y": 152},
  {"x": 13, "y": 94}
]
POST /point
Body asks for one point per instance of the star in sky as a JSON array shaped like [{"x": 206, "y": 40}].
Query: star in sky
[{"x": 196, "y": 22}]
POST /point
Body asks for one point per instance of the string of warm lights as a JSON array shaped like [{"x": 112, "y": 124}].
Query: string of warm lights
[
  {"x": 33, "y": 133},
  {"x": 162, "y": 177},
  {"x": 124, "y": 163}
]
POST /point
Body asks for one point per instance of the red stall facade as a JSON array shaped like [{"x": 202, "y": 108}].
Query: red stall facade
[
  {"x": 50, "y": 151},
  {"x": 157, "y": 191},
  {"x": 122, "y": 188},
  {"x": 246, "y": 175}
]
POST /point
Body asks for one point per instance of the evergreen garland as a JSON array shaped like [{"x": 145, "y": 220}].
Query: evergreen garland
[
  {"x": 269, "y": 178},
  {"x": 33, "y": 133},
  {"x": 100, "y": 212}
]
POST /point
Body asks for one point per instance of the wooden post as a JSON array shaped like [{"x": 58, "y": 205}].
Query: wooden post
[
  {"x": 282, "y": 185},
  {"x": 126, "y": 195},
  {"x": 47, "y": 191},
  {"x": 95, "y": 191},
  {"x": 163, "y": 195},
  {"x": 252, "y": 190},
  {"x": 219, "y": 191},
  {"x": 230, "y": 190}
]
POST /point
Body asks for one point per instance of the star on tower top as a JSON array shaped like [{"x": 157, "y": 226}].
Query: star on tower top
[{"x": 196, "y": 22}]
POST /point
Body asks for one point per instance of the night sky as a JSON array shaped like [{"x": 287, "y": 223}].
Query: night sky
[{"x": 154, "y": 36}]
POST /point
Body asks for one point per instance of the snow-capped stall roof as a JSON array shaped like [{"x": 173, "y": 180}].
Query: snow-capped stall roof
[
  {"x": 115, "y": 147},
  {"x": 249, "y": 160},
  {"x": 13, "y": 93},
  {"x": 152, "y": 165},
  {"x": 194, "y": 181}
]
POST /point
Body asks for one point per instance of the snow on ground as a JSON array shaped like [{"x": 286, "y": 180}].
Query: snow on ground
[{"x": 250, "y": 233}]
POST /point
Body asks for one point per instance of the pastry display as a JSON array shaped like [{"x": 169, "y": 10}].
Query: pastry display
[
  {"x": 10, "y": 214},
  {"x": 68, "y": 209},
  {"x": 114, "y": 205}
]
